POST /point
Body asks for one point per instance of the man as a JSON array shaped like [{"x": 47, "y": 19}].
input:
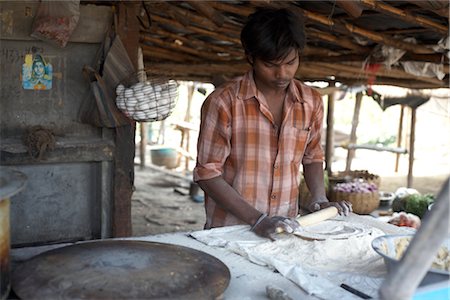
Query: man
[{"x": 257, "y": 129}]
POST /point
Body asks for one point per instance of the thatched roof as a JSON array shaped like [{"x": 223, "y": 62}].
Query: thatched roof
[{"x": 347, "y": 40}]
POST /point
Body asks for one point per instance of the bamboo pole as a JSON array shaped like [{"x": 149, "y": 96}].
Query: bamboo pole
[
  {"x": 439, "y": 7},
  {"x": 153, "y": 52},
  {"x": 352, "y": 8},
  {"x": 411, "y": 147},
  {"x": 340, "y": 41},
  {"x": 355, "y": 121},
  {"x": 208, "y": 11},
  {"x": 403, "y": 15},
  {"x": 199, "y": 44},
  {"x": 399, "y": 136},
  {"x": 196, "y": 29},
  {"x": 329, "y": 146},
  {"x": 184, "y": 48}
]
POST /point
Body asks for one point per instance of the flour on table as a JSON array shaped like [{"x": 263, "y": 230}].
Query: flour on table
[
  {"x": 335, "y": 229},
  {"x": 319, "y": 266}
]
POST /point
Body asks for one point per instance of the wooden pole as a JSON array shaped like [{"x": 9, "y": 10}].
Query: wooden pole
[
  {"x": 329, "y": 146},
  {"x": 351, "y": 152},
  {"x": 187, "y": 118},
  {"x": 411, "y": 147},
  {"x": 143, "y": 130},
  {"x": 399, "y": 137},
  {"x": 128, "y": 30}
]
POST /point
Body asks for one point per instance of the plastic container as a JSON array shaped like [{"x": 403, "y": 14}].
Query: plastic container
[{"x": 165, "y": 157}]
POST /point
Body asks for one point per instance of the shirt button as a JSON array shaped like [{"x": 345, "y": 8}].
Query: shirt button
[
  {"x": 275, "y": 166},
  {"x": 273, "y": 196}
]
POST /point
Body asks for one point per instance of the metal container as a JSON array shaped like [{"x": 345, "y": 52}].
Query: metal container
[
  {"x": 11, "y": 182},
  {"x": 385, "y": 246}
]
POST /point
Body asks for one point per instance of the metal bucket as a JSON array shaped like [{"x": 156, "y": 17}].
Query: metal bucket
[{"x": 11, "y": 182}]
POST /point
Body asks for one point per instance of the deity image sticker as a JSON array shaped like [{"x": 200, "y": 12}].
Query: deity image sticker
[{"x": 36, "y": 73}]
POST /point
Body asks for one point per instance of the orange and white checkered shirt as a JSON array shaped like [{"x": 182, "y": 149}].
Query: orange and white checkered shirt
[{"x": 239, "y": 141}]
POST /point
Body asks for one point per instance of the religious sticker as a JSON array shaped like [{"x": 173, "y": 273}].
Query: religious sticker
[{"x": 37, "y": 74}]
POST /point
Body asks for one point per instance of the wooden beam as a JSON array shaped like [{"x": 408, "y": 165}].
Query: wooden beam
[
  {"x": 188, "y": 17},
  {"x": 393, "y": 72},
  {"x": 343, "y": 26},
  {"x": 352, "y": 8},
  {"x": 439, "y": 7},
  {"x": 218, "y": 36},
  {"x": 184, "y": 48},
  {"x": 208, "y": 11},
  {"x": 403, "y": 15},
  {"x": 200, "y": 45},
  {"x": 154, "y": 53},
  {"x": 343, "y": 42}
]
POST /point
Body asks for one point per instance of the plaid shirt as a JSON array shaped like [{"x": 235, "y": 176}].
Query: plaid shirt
[{"x": 239, "y": 141}]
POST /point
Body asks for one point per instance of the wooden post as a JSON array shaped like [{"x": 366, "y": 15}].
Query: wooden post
[
  {"x": 355, "y": 121},
  {"x": 143, "y": 130},
  {"x": 411, "y": 147},
  {"x": 399, "y": 137},
  {"x": 187, "y": 118},
  {"x": 128, "y": 30},
  {"x": 329, "y": 146}
]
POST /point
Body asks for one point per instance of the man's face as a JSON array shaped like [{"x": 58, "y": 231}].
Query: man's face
[{"x": 276, "y": 75}]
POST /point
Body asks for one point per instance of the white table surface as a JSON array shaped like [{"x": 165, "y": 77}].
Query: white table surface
[{"x": 248, "y": 280}]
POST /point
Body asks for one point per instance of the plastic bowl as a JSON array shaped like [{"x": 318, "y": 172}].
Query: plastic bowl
[{"x": 385, "y": 246}]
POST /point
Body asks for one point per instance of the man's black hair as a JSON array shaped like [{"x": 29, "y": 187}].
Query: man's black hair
[{"x": 270, "y": 34}]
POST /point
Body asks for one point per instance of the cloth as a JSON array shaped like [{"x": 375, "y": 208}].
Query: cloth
[
  {"x": 318, "y": 267},
  {"x": 239, "y": 140}
]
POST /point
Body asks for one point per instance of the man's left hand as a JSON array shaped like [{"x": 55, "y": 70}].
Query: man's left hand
[{"x": 343, "y": 207}]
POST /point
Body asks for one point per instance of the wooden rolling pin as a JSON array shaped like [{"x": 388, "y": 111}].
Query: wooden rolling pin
[{"x": 318, "y": 216}]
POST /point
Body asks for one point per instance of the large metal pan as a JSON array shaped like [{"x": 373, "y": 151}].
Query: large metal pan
[
  {"x": 121, "y": 269},
  {"x": 11, "y": 182}
]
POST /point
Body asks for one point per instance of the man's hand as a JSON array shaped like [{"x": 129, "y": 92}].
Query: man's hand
[
  {"x": 270, "y": 226},
  {"x": 343, "y": 207}
]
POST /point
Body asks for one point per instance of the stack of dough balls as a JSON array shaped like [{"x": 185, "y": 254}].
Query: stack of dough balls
[{"x": 147, "y": 101}]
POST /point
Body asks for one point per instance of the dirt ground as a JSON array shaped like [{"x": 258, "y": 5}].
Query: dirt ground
[{"x": 161, "y": 201}]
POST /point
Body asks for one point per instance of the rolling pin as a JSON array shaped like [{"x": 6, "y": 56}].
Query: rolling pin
[
  {"x": 314, "y": 218},
  {"x": 318, "y": 216}
]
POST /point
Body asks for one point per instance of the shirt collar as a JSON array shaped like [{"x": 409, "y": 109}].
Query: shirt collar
[{"x": 247, "y": 89}]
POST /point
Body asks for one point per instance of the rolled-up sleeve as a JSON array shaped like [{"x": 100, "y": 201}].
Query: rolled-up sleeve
[
  {"x": 314, "y": 151},
  {"x": 214, "y": 141}
]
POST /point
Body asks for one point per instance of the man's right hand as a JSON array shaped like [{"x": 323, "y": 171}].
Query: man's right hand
[{"x": 270, "y": 226}]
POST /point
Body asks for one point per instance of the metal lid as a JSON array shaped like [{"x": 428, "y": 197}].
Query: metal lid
[{"x": 11, "y": 182}]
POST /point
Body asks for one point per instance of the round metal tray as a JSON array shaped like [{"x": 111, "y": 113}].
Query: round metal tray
[{"x": 121, "y": 269}]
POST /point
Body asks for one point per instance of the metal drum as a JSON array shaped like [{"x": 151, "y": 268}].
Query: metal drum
[{"x": 11, "y": 182}]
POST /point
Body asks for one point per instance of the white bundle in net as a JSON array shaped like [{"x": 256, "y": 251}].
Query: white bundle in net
[{"x": 147, "y": 101}]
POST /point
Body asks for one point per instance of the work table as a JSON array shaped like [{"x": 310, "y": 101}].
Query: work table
[{"x": 248, "y": 280}]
